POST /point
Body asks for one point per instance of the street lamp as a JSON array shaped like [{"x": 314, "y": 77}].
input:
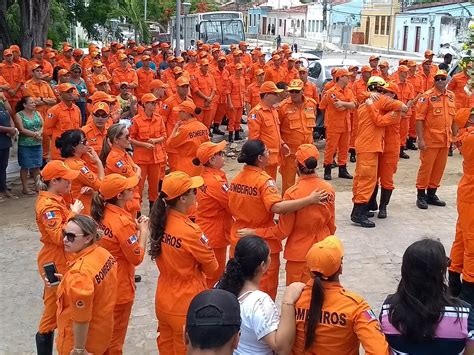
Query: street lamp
[{"x": 186, "y": 8}]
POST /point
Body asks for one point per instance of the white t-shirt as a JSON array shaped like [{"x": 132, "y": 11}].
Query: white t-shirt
[{"x": 260, "y": 317}]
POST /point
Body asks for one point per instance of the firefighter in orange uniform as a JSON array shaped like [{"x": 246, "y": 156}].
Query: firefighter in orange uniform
[
  {"x": 13, "y": 74},
  {"x": 347, "y": 321},
  {"x": 182, "y": 255},
  {"x": 124, "y": 73},
  {"x": 145, "y": 76},
  {"x": 415, "y": 80},
  {"x": 213, "y": 214},
  {"x": 274, "y": 71},
  {"x": 185, "y": 139},
  {"x": 52, "y": 214},
  {"x": 252, "y": 97},
  {"x": 67, "y": 59},
  {"x": 167, "y": 74},
  {"x": 125, "y": 238},
  {"x": 264, "y": 124},
  {"x": 170, "y": 117},
  {"x": 290, "y": 72},
  {"x": 96, "y": 131},
  {"x": 426, "y": 75},
  {"x": 337, "y": 103},
  {"x": 22, "y": 62},
  {"x": 203, "y": 88},
  {"x": 435, "y": 127},
  {"x": 148, "y": 136},
  {"x": 373, "y": 63},
  {"x": 38, "y": 59},
  {"x": 192, "y": 65},
  {"x": 297, "y": 121},
  {"x": 235, "y": 102},
  {"x": 456, "y": 85},
  {"x": 310, "y": 90},
  {"x": 220, "y": 107},
  {"x": 260, "y": 64},
  {"x": 383, "y": 68}
]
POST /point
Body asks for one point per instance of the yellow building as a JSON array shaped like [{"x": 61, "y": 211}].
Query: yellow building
[{"x": 378, "y": 22}]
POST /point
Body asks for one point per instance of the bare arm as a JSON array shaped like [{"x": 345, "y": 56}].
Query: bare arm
[{"x": 80, "y": 331}]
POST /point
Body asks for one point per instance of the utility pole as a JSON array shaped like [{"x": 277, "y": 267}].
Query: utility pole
[
  {"x": 178, "y": 28},
  {"x": 145, "y": 8}
]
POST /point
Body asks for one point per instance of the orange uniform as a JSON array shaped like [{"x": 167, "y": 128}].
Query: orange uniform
[
  {"x": 306, "y": 226},
  {"x": 191, "y": 68},
  {"x": 61, "y": 118},
  {"x": 291, "y": 74},
  {"x": 311, "y": 91},
  {"x": 416, "y": 81},
  {"x": 213, "y": 215},
  {"x": 13, "y": 74},
  {"x": 264, "y": 124},
  {"x": 167, "y": 75},
  {"x": 359, "y": 88},
  {"x": 297, "y": 122},
  {"x": 456, "y": 85},
  {"x": 152, "y": 162},
  {"x": 145, "y": 77},
  {"x": 405, "y": 94},
  {"x": 427, "y": 81},
  {"x": 25, "y": 67},
  {"x": 388, "y": 160},
  {"x": 275, "y": 74},
  {"x": 120, "y": 75},
  {"x": 220, "y": 108},
  {"x": 183, "y": 146},
  {"x": 236, "y": 90},
  {"x": 47, "y": 68},
  {"x": 437, "y": 111},
  {"x": 171, "y": 117},
  {"x": 87, "y": 293},
  {"x": 52, "y": 214},
  {"x": 252, "y": 95},
  {"x": 253, "y": 189},
  {"x": 347, "y": 321},
  {"x": 337, "y": 123},
  {"x": 65, "y": 63},
  {"x": 252, "y": 69},
  {"x": 120, "y": 239},
  {"x": 205, "y": 84},
  {"x": 95, "y": 136},
  {"x": 185, "y": 261}
]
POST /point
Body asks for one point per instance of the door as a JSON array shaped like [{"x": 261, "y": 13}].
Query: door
[
  {"x": 417, "y": 38},
  {"x": 367, "y": 30},
  {"x": 264, "y": 26},
  {"x": 405, "y": 37}
]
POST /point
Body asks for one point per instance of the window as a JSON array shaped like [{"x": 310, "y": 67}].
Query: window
[
  {"x": 377, "y": 24},
  {"x": 387, "y": 29},
  {"x": 250, "y": 20},
  {"x": 314, "y": 26},
  {"x": 279, "y": 23},
  {"x": 382, "y": 25},
  {"x": 315, "y": 70},
  {"x": 298, "y": 24}
]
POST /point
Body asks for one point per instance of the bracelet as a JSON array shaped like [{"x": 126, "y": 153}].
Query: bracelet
[
  {"x": 288, "y": 304},
  {"x": 79, "y": 351}
]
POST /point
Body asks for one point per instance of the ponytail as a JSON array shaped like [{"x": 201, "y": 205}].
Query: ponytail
[
  {"x": 98, "y": 206},
  {"x": 113, "y": 133},
  {"x": 315, "y": 309},
  {"x": 158, "y": 216},
  {"x": 233, "y": 279}
]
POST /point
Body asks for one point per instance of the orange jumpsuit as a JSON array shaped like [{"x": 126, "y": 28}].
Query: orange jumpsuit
[
  {"x": 236, "y": 90},
  {"x": 185, "y": 261},
  {"x": 254, "y": 190},
  {"x": 52, "y": 214},
  {"x": 296, "y": 126},
  {"x": 87, "y": 293},
  {"x": 406, "y": 93},
  {"x": 206, "y": 85},
  {"x": 272, "y": 73},
  {"x": 121, "y": 240},
  {"x": 437, "y": 111},
  {"x": 120, "y": 75},
  {"x": 359, "y": 88},
  {"x": 337, "y": 123},
  {"x": 264, "y": 124},
  {"x": 145, "y": 77},
  {"x": 214, "y": 217},
  {"x": 183, "y": 146},
  {"x": 13, "y": 74},
  {"x": 456, "y": 85},
  {"x": 151, "y": 162},
  {"x": 220, "y": 108},
  {"x": 171, "y": 117},
  {"x": 415, "y": 80},
  {"x": 306, "y": 226},
  {"x": 347, "y": 321}
]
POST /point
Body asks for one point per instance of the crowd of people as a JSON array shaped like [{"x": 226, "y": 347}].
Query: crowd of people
[{"x": 95, "y": 130}]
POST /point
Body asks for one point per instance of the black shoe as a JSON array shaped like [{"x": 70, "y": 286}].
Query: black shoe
[
  {"x": 334, "y": 165},
  {"x": 421, "y": 199},
  {"x": 352, "y": 157},
  {"x": 210, "y": 133},
  {"x": 467, "y": 292},
  {"x": 450, "y": 151},
  {"x": 359, "y": 216},
  {"x": 384, "y": 201},
  {"x": 372, "y": 205},
  {"x": 138, "y": 278},
  {"x": 403, "y": 155},
  {"x": 411, "y": 143},
  {"x": 216, "y": 130},
  {"x": 231, "y": 137},
  {"x": 243, "y": 121},
  {"x": 343, "y": 173},
  {"x": 44, "y": 343},
  {"x": 150, "y": 205},
  {"x": 237, "y": 136},
  {"x": 432, "y": 199},
  {"x": 454, "y": 283},
  {"x": 327, "y": 172}
]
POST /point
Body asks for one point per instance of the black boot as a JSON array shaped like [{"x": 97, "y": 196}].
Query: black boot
[
  {"x": 343, "y": 173},
  {"x": 450, "y": 151},
  {"x": 237, "y": 136},
  {"x": 467, "y": 292},
  {"x": 454, "y": 283},
  {"x": 216, "y": 130},
  {"x": 352, "y": 157},
  {"x": 421, "y": 199},
  {"x": 231, "y": 137},
  {"x": 327, "y": 172},
  {"x": 411, "y": 143},
  {"x": 44, "y": 343},
  {"x": 372, "y": 205},
  {"x": 432, "y": 199},
  {"x": 359, "y": 216},
  {"x": 403, "y": 155},
  {"x": 150, "y": 204},
  {"x": 333, "y": 164},
  {"x": 384, "y": 201}
]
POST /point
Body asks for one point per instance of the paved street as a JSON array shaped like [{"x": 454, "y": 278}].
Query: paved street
[{"x": 371, "y": 264}]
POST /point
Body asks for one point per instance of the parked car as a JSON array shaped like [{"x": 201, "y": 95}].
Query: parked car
[{"x": 319, "y": 71}]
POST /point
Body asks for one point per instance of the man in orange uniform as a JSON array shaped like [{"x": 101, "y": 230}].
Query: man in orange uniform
[
  {"x": 167, "y": 74},
  {"x": 236, "y": 59},
  {"x": 145, "y": 76},
  {"x": 260, "y": 64},
  {"x": 456, "y": 85},
  {"x": 369, "y": 146},
  {"x": 246, "y": 57},
  {"x": 415, "y": 80},
  {"x": 337, "y": 103},
  {"x": 62, "y": 117},
  {"x": 22, "y": 62},
  {"x": 203, "y": 88},
  {"x": 435, "y": 127},
  {"x": 290, "y": 72},
  {"x": 274, "y": 72},
  {"x": 13, "y": 74},
  {"x": 373, "y": 63},
  {"x": 96, "y": 130},
  {"x": 220, "y": 107},
  {"x": 297, "y": 121},
  {"x": 252, "y": 95},
  {"x": 310, "y": 90},
  {"x": 192, "y": 65},
  {"x": 264, "y": 125},
  {"x": 67, "y": 59},
  {"x": 235, "y": 102},
  {"x": 38, "y": 59},
  {"x": 427, "y": 79},
  {"x": 124, "y": 73}
]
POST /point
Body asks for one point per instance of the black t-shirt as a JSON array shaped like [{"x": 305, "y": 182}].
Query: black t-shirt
[{"x": 5, "y": 140}]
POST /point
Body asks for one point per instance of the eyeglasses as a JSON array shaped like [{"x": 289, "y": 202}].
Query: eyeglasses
[
  {"x": 294, "y": 91},
  {"x": 440, "y": 79},
  {"x": 71, "y": 236}
]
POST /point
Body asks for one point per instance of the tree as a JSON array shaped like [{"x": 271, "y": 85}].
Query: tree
[
  {"x": 34, "y": 20},
  {"x": 133, "y": 11}
]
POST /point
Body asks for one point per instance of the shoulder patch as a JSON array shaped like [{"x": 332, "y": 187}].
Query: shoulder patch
[
  {"x": 422, "y": 99},
  {"x": 119, "y": 164},
  {"x": 165, "y": 106},
  {"x": 49, "y": 215},
  {"x": 50, "y": 115},
  {"x": 225, "y": 187},
  {"x": 253, "y": 116},
  {"x": 85, "y": 170},
  {"x": 132, "y": 240},
  {"x": 203, "y": 239},
  {"x": 369, "y": 315}
]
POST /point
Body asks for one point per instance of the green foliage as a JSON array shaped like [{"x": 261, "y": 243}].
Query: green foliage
[
  {"x": 13, "y": 21},
  {"x": 59, "y": 29}
]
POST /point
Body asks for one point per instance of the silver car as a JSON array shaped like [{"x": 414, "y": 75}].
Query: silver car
[{"x": 319, "y": 71}]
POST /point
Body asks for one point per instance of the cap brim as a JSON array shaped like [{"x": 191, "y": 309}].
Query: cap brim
[
  {"x": 196, "y": 181},
  {"x": 220, "y": 146},
  {"x": 70, "y": 174},
  {"x": 131, "y": 182}
]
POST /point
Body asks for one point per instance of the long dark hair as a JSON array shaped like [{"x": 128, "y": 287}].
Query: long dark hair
[
  {"x": 417, "y": 306},
  {"x": 250, "y": 152},
  {"x": 98, "y": 206},
  {"x": 113, "y": 133},
  {"x": 249, "y": 254},
  {"x": 68, "y": 141},
  {"x": 315, "y": 309},
  {"x": 308, "y": 167},
  {"x": 20, "y": 105}
]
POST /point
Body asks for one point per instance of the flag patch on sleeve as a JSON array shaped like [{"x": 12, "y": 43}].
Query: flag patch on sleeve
[
  {"x": 119, "y": 164},
  {"x": 225, "y": 188},
  {"x": 253, "y": 116},
  {"x": 49, "y": 215},
  {"x": 85, "y": 170},
  {"x": 369, "y": 315},
  {"x": 132, "y": 240},
  {"x": 203, "y": 239}
]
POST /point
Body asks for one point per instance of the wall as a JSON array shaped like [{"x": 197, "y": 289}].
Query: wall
[{"x": 314, "y": 22}]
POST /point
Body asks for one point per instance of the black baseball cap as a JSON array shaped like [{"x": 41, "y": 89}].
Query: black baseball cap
[{"x": 223, "y": 304}]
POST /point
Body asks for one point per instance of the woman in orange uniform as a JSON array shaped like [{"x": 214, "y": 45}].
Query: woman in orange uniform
[
  {"x": 52, "y": 214},
  {"x": 213, "y": 214},
  {"x": 187, "y": 136},
  {"x": 255, "y": 191},
  {"x": 87, "y": 292},
  {"x": 330, "y": 319},
  {"x": 148, "y": 135},
  {"x": 115, "y": 157},
  {"x": 183, "y": 256},
  {"x": 125, "y": 238},
  {"x": 73, "y": 145}
]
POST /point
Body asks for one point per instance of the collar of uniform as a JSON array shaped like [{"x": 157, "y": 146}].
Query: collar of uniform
[
  {"x": 82, "y": 253},
  {"x": 118, "y": 151},
  {"x": 52, "y": 196},
  {"x": 439, "y": 93},
  {"x": 177, "y": 214},
  {"x": 253, "y": 168},
  {"x": 66, "y": 107},
  {"x": 326, "y": 284},
  {"x": 116, "y": 209},
  {"x": 96, "y": 130}
]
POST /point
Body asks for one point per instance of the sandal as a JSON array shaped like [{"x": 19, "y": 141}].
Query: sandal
[
  {"x": 29, "y": 192},
  {"x": 7, "y": 194}
]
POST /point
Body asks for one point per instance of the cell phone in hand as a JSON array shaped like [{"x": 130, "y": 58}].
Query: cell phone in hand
[{"x": 50, "y": 271}]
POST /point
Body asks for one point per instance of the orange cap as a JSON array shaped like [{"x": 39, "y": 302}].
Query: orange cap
[
  {"x": 192, "y": 53},
  {"x": 341, "y": 72},
  {"x": 177, "y": 70},
  {"x": 276, "y": 57},
  {"x": 403, "y": 68},
  {"x": 392, "y": 87},
  {"x": 77, "y": 52},
  {"x": 295, "y": 84},
  {"x": 200, "y": 42},
  {"x": 37, "y": 50},
  {"x": 243, "y": 43},
  {"x": 411, "y": 63},
  {"x": 373, "y": 57},
  {"x": 113, "y": 184},
  {"x": 215, "y": 50},
  {"x": 442, "y": 73},
  {"x": 63, "y": 72},
  {"x": 35, "y": 66},
  {"x": 170, "y": 58},
  {"x": 203, "y": 54},
  {"x": 145, "y": 57},
  {"x": 177, "y": 183},
  {"x": 179, "y": 59},
  {"x": 120, "y": 46},
  {"x": 15, "y": 48},
  {"x": 222, "y": 57},
  {"x": 50, "y": 55},
  {"x": 291, "y": 59},
  {"x": 238, "y": 66},
  {"x": 428, "y": 53},
  {"x": 306, "y": 151},
  {"x": 122, "y": 56},
  {"x": 101, "y": 106},
  {"x": 403, "y": 62},
  {"x": 462, "y": 116},
  {"x": 206, "y": 47},
  {"x": 101, "y": 96},
  {"x": 105, "y": 49},
  {"x": 353, "y": 68},
  {"x": 204, "y": 61},
  {"x": 303, "y": 70},
  {"x": 56, "y": 169},
  {"x": 66, "y": 48},
  {"x": 383, "y": 63},
  {"x": 237, "y": 52},
  {"x": 7, "y": 52},
  {"x": 140, "y": 49},
  {"x": 426, "y": 61},
  {"x": 186, "y": 106},
  {"x": 259, "y": 72},
  {"x": 269, "y": 87},
  {"x": 285, "y": 46},
  {"x": 98, "y": 63},
  {"x": 208, "y": 149},
  {"x": 65, "y": 87},
  {"x": 157, "y": 84},
  {"x": 366, "y": 69},
  {"x": 164, "y": 45},
  {"x": 99, "y": 79},
  {"x": 94, "y": 54},
  {"x": 182, "y": 81},
  {"x": 155, "y": 44},
  {"x": 325, "y": 257},
  {"x": 148, "y": 98}
]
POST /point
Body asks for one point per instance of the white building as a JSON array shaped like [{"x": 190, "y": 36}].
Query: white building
[{"x": 314, "y": 22}]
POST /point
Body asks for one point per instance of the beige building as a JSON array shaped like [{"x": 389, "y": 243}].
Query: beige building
[{"x": 378, "y": 22}]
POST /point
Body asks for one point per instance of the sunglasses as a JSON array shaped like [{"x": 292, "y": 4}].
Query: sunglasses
[
  {"x": 294, "y": 91},
  {"x": 440, "y": 79},
  {"x": 102, "y": 116},
  {"x": 71, "y": 236}
]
